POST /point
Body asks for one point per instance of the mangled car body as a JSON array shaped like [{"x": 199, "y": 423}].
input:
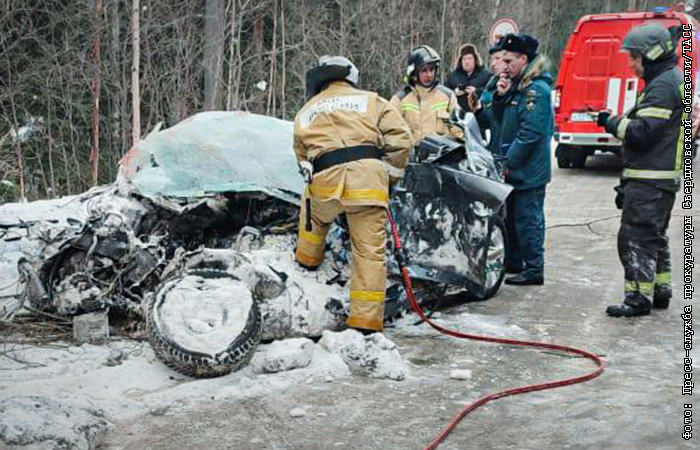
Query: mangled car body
[{"x": 195, "y": 239}]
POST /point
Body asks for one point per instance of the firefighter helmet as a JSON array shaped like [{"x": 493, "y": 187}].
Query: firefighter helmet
[
  {"x": 421, "y": 56},
  {"x": 650, "y": 40},
  {"x": 331, "y": 68}
]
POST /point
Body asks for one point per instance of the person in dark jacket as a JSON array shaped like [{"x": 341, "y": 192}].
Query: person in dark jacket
[
  {"x": 469, "y": 77},
  {"x": 492, "y": 98},
  {"x": 524, "y": 133},
  {"x": 652, "y": 136}
]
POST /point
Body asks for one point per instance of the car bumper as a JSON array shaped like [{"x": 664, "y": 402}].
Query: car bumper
[{"x": 587, "y": 139}]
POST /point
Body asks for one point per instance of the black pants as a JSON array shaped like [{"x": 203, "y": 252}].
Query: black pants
[{"x": 642, "y": 243}]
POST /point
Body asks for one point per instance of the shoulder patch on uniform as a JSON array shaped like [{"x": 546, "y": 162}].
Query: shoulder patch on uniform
[
  {"x": 531, "y": 93},
  {"x": 531, "y": 101}
]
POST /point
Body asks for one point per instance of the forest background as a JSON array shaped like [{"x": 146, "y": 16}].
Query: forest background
[{"x": 82, "y": 80}]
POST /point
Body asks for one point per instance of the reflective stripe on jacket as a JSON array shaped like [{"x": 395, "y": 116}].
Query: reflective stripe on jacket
[
  {"x": 427, "y": 110},
  {"x": 652, "y": 132}
]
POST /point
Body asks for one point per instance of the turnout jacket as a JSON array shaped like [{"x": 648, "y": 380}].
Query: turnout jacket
[
  {"x": 343, "y": 116},
  {"x": 652, "y": 131},
  {"x": 427, "y": 110}
]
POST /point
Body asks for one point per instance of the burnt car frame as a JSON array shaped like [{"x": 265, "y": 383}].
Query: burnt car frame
[{"x": 189, "y": 201}]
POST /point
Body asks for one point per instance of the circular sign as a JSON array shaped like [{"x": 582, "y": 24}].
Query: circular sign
[{"x": 501, "y": 28}]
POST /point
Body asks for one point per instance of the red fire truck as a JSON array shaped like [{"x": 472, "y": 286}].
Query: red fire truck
[{"x": 594, "y": 75}]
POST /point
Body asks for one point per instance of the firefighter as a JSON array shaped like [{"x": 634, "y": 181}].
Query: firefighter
[
  {"x": 652, "y": 137},
  {"x": 424, "y": 102},
  {"x": 523, "y": 131},
  {"x": 350, "y": 144}
]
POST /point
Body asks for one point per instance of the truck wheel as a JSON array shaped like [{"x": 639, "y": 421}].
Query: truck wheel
[
  {"x": 495, "y": 258},
  {"x": 563, "y": 162},
  {"x": 578, "y": 158},
  {"x": 563, "y": 154},
  {"x": 204, "y": 323}
]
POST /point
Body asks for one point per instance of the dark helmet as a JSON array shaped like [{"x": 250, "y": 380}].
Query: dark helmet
[
  {"x": 651, "y": 40},
  {"x": 421, "y": 56},
  {"x": 330, "y": 68}
]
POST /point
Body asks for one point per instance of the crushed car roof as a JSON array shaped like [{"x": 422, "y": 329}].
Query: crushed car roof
[{"x": 216, "y": 152}]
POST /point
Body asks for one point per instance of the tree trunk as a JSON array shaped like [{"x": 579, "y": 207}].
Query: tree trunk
[
  {"x": 284, "y": 66},
  {"x": 271, "y": 107},
  {"x": 234, "y": 48},
  {"x": 213, "y": 53},
  {"x": 95, "y": 88},
  {"x": 135, "y": 73}
]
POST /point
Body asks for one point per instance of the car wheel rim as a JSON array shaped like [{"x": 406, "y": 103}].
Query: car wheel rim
[
  {"x": 204, "y": 315},
  {"x": 495, "y": 258}
]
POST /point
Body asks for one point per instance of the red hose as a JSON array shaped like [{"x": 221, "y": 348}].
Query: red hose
[{"x": 508, "y": 392}]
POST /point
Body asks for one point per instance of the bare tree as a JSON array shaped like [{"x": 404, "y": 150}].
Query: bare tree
[
  {"x": 95, "y": 89},
  {"x": 135, "y": 73},
  {"x": 213, "y": 53}
]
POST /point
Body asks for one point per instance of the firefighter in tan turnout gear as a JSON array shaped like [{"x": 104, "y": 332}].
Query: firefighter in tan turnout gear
[
  {"x": 424, "y": 102},
  {"x": 355, "y": 143}
]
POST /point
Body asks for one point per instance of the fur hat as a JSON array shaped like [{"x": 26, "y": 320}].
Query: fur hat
[
  {"x": 469, "y": 49},
  {"x": 520, "y": 43}
]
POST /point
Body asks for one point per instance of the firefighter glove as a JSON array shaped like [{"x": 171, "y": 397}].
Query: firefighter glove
[
  {"x": 619, "y": 195},
  {"x": 306, "y": 170},
  {"x": 603, "y": 117}
]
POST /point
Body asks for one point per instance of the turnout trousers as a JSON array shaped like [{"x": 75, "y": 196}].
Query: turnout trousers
[
  {"x": 642, "y": 242},
  {"x": 367, "y": 227}
]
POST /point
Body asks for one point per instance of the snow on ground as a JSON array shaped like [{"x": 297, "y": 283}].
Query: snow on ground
[
  {"x": 100, "y": 385},
  {"x": 65, "y": 396}
]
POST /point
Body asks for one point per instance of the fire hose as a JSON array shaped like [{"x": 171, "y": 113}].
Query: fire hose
[{"x": 402, "y": 260}]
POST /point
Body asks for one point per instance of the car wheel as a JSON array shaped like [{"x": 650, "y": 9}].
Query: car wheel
[
  {"x": 495, "y": 258},
  {"x": 204, "y": 323}
]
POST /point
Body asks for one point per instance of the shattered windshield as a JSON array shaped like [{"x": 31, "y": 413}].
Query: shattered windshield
[{"x": 214, "y": 152}]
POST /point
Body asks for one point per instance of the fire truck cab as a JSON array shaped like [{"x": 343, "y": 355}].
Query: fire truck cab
[{"x": 594, "y": 75}]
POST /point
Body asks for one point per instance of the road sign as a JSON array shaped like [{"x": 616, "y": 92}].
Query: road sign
[{"x": 501, "y": 28}]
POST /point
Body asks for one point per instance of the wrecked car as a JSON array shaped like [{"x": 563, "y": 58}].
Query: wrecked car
[{"x": 195, "y": 239}]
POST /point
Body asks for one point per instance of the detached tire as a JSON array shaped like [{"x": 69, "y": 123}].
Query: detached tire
[
  {"x": 204, "y": 323},
  {"x": 495, "y": 258}
]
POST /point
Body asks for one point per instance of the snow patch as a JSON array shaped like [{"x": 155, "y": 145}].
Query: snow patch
[
  {"x": 297, "y": 413},
  {"x": 41, "y": 423},
  {"x": 373, "y": 355},
  {"x": 461, "y": 374},
  {"x": 280, "y": 356}
]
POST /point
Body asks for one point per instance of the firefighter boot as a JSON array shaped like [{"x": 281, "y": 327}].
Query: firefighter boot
[
  {"x": 634, "y": 305},
  {"x": 662, "y": 297}
]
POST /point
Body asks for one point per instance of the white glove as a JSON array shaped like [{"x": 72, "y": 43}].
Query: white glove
[{"x": 306, "y": 169}]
